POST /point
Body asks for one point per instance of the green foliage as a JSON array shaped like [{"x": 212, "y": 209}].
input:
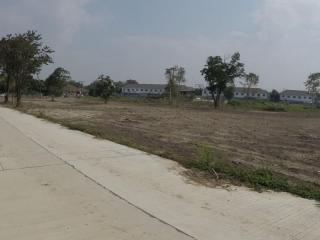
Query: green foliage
[
  {"x": 313, "y": 86},
  {"x": 56, "y": 82},
  {"x": 2, "y": 84},
  {"x": 33, "y": 87},
  {"x": 219, "y": 74},
  {"x": 274, "y": 96},
  {"x": 229, "y": 92},
  {"x": 103, "y": 87},
  {"x": 21, "y": 57},
  {"x": 131, "y": 81},
  {"x": 75, "y": 83}
]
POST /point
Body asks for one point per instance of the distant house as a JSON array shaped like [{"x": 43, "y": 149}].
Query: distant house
[
  {"x": 296, "y": 96},
  {"x": 241, "y": 93},
  {"x": 71, "y": 90},
  {"x": 254, "y": 93},
  {"x": 151, "y": 90}
]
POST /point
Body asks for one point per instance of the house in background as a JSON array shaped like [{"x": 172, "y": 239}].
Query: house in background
[
  {"x": 151, "y": 90},
  {"x": 296, "y": 96},
  {"x": 71, "y": 90},
  {"x": 241, "y": 93}
]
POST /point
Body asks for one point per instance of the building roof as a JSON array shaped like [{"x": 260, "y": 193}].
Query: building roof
[
  {"x": 295, "y": 93},
  {"x": 252, "y": 90}
]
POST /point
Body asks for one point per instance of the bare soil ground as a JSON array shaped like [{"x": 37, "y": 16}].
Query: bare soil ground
[{"x": 288, "y": 143}]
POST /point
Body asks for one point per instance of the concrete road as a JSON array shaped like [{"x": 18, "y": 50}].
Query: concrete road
[{"x": 61, "y": 184}]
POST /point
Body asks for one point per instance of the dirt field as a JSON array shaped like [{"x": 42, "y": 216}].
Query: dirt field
[{"x": 284, "y": 142}]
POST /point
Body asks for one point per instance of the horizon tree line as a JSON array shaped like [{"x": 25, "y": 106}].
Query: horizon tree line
[{"x": 23, "y": 55}]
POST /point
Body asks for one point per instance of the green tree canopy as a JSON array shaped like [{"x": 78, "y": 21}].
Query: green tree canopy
[
  {"x": 21, "y": 57},
  {"x": 56, "y": 82},
  {"x": 274, "y": 96},
  {"x": 219, "y": 74},
  {"x": 313, "y": 86},
  {"x": 103, "y": 87}
]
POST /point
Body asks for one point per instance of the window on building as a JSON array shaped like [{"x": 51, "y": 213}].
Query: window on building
[
  {"x": 237, "y": 93},
  {"x": 294, "y": 97}
]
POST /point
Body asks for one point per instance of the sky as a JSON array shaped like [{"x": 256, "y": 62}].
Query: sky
[{"x": 138, "y": 39}]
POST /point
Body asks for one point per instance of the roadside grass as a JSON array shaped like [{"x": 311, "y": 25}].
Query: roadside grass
[
  {"x": 265, "y": 105},
  {"x": 212, "y": 161}
]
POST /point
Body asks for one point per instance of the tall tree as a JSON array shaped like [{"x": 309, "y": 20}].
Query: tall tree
[
  {"x": 250, "y": 80},
  {"x": 56, "y": 82},
  {"x": 175, "y": 77},
  {"x": 172, "y": 87},
  {"x": 219, "y": 74},
  {"x": 22, "y": 56},
  {"x": 313, "y": 86},
  {"x": 6, "y": 64}
]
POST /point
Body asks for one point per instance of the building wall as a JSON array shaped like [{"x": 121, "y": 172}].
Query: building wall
[
  {"x": 239, "y": 95},
  {"x": 142, "y": 91},
  {"x": 298, "y": 99}
]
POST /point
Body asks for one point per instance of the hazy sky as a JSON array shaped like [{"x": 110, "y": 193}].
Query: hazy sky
[{"x": 278, "y": 39}]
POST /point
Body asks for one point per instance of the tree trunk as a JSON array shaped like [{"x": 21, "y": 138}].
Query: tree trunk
[
  {"x": 52, "y": 98},
  {"x": 18, "y": 94},
  {"x": 6, "y": 97}
]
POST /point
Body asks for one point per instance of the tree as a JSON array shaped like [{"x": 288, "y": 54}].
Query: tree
[
  {"x": 251, "y": 80},
  {"x": 172, "y": 87},
  {"x": 103, "y": 87},
  {"x": 2, "y": 84},
  {"x": 180, "y": 75},
  {"x": 118, "y": 86},
  {"x": 313, "y": 86},
  {"x": 228, "y": 93},
  {"x": 175, "y": 77},
  {"x": 274, "y": 96},
  {"x": 56, "y": 82},
  {"x": 219, "y": 74},
  {"x": 21, "y": 57},
  {"x": 131, "y": 81}
]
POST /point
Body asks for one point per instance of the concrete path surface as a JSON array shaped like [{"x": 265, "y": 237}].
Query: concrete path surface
[{"x": 61, "y": 184}]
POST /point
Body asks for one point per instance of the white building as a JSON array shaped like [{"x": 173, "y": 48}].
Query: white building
[
  {"x": 144, "y": 89},
  {"x": 151, "y": 90},
  {"x": 296, "y": 96},
  {"x": 241, "y": 93}
]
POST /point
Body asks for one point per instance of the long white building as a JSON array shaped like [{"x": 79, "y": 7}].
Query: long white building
[
  {"x": 296, "y": 96},
  {"x": 151, "y": 90},
  {"x": 240, "y": 93}
]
